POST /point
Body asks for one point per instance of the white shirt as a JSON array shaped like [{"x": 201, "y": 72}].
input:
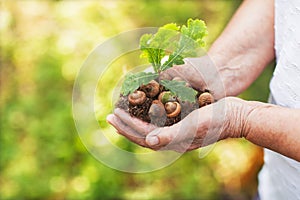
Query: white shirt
[{"x": 280, "y": 176}]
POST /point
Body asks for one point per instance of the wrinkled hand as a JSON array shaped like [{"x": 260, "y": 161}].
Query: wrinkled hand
[
  {"x": 202, "y": 127},
  {"x": 201, "y": 73}
]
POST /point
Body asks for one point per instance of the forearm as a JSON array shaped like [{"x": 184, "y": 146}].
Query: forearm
[
  {"x": 246, "y": 45},
  {"x": 274, "y": 127}
]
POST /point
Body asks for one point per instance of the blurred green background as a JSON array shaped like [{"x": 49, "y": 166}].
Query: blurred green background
[{"x": 43, "y": 45}]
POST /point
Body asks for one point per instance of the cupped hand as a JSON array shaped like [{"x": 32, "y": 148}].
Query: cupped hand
[{"x": 202, "y": 127}]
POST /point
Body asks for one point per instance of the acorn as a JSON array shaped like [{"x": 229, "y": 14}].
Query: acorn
[
  {"x": 173, "y": 109},
  {"x": 157, "y": 109},
  {"x": 205, "y": 99},
  {"x": 151, "y": 89},
  {"x": 137, "y": 98},
  {"x": 166, "y": 96}
]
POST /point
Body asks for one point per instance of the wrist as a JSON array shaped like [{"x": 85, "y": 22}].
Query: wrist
[
  {"x": 257, "y": 110},
  {"x": 238, "y": 115}
]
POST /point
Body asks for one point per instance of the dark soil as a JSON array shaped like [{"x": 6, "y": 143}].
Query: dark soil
[{"x": 141, "y": 111}]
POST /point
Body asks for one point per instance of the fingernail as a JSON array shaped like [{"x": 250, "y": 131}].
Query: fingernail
[
  {"x": 153, "y": 140},
  {"x": 117, "y": 109},
  {"x": 109, "y": 118}
]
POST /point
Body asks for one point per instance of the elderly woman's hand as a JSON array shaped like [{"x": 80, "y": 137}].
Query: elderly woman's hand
[
  {"x": 204, "y": 126},
  {"x": 201, "y": 73}
]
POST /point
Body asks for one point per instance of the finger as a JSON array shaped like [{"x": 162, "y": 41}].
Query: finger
[
  {"x": 166, "y": 75},
  {"x": 182, "y": 132},
  {"x": 178, "y": 147},
  {"x": 169, "y": 74},
  {"x": 175, "y": 71},
  {"x": 188, "y": 73},
  {"x": 161, "y": 137},
  {"x": 138, "y": 125},
  {"x": 183, "y": 147},
  {"x": 193, "y": 147},
  {"x": 204, "y": 74},
  {"x": 126, "y": 130},
  {"x": 122, "y": 127}
]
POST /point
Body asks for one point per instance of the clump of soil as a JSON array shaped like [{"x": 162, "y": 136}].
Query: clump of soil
[{"x": 141, "y": 111}]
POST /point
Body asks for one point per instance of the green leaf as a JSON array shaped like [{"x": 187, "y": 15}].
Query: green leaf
[
  {"x": 154, "y": 47},
  {"x": 154, "y": 57},
  {"x": 165, "y": 36},
  {"x": 196, "y": 30},
  {"x": 167, "y": 96},
  {"x": 145, "y": 41},
  {"x": 154, "y": 54},
  {"x": 133, "y": 81},
  {"x": 179, "y": 89},
  {"x": 174, "y": 59},
  {"x": 191, "y": 39}
]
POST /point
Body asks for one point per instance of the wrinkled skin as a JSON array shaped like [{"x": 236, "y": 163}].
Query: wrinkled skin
[
  {"x": 202, "y": 127},
  {"x": 201, "y": 73}
]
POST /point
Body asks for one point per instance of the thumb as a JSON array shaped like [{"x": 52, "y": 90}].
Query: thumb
[
  {"x": 183, "y": 131},
  {"x": 161, "y": 137}
]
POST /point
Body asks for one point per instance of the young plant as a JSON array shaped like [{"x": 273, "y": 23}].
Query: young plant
[{"x": 171, "y": 43}]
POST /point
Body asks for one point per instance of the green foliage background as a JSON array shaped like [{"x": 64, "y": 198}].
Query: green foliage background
[{"x": 43, "y": 44}]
